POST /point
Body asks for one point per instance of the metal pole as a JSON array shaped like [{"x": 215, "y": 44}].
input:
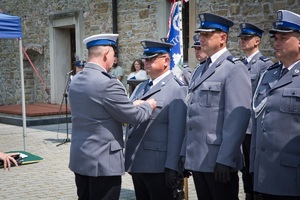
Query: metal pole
[{"x": 23, "y": 95}]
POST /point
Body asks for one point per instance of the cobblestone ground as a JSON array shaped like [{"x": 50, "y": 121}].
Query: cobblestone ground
[{"x": 50, "y": 178}]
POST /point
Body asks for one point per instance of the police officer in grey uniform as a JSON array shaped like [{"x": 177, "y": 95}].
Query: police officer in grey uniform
[
  {"x": 250, "y": 39},
  {"x": 99, "y": 105},
  {"x": 218, "y": 114},
  {"x": 275, "y": 152},
  {"x": 153, "y": 147},
  {"x": 200, "y": 56}
]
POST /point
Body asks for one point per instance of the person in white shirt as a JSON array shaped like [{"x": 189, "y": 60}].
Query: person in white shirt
[{"x": 137, "y": 71}]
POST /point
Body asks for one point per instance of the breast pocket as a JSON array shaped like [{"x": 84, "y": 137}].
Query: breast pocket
[
  {"x": 158, "y": 109},
  {"x": 290, "y": 102},
  {"x": 210, "y": 94},
  {"x": 253, "y": 78}
]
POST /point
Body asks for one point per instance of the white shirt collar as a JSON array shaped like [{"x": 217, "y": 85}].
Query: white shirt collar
[
  {"x": 215, "y": 56},
  {"x": 251, "y": 56},
  {"x": 292, "y": 65},
  {"x": 155, "y": 81}
]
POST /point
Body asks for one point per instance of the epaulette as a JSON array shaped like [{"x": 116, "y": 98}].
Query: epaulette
[
  {"x": 233, "y": 59},
  {"x": 180, "y": 82},
  {"x": 108, "y": 75},
  {"x": 185, "y": 66},
  {"x": 264, "y": 58},
  {"x": 275, "y": 65}
]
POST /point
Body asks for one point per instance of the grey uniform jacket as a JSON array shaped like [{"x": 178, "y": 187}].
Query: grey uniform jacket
[
  {"x": 218, "y": 112},
  {"x": 257, "y": 65},
  {"x": 155, "y": 144},
  {"x": 275, "y": 147},
  {"x": 186, "y": 74},
  {"x": 99, "y": 105}
]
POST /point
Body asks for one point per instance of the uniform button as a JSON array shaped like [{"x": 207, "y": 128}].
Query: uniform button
[
  {"x": 267, "y": 111},
  {"x": 264, "y": 130},
  {"x": 190, "y": 128},
  {"x": 263, "y": 149},
  {"x": 192, "y": 102}
]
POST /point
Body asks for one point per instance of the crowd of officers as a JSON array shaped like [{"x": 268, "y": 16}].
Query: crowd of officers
[{"x": 231, "y": 115}]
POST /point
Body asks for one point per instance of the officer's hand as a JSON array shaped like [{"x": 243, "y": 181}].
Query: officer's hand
[
  {"x": 222, "y": 173},
  {"x": 181, "y": 163},
  {"x": 172, "y": 178},
  {"x": 152, "y": 102},
  {"x": 138, "y": 102},
  {"x": 185, "y": 173}
]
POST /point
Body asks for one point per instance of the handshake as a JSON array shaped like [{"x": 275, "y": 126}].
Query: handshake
[{"x": 152, "y": 103}]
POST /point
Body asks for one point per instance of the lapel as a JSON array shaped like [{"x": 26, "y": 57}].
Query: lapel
[
  {"x": 197, "y": 72},
  {"x": 210, "y": 70},
  {"x": 194, "y": 72},
  {"x": 253, "y": 60},
  {"x": 156, "y": 88},
  {"x": 288, "y": 77}
]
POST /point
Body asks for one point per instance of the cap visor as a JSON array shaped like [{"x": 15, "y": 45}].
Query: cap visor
[
  {"x": 245, "y": 35},
  {"x": 273, "y": 31},
  {"x": 148, "y": 56},
  {"x": 205, "y": 30}
]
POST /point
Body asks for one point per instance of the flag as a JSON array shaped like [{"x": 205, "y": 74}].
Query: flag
[
  {"x": 183, "y": 1},
  {"x": 175, "y": 37}
]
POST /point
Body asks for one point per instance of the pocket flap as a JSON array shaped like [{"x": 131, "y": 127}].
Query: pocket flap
[
  {"x": 159, "y": 103},
  {"x": 211, "y": 86},
  {"x": 212, "y": 138},
  {"x": 158, "y": 146},
  {"x": 290, "y": 160},
  {"x": 116, "y": 145},
  {"x": 291, "y": 92},
  {"x": 253, "y": 76}
]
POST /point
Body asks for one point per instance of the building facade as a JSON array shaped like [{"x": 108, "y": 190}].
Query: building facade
[{"x": 53, "y": 32}]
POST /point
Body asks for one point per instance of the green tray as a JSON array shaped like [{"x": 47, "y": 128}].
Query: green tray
[{"x": 31, "y": 158}]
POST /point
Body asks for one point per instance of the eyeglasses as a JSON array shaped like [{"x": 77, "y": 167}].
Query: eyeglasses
[{"x": 153, "y": 58}]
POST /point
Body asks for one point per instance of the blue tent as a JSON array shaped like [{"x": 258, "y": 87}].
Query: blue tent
[{"x": 11, "y": 28}]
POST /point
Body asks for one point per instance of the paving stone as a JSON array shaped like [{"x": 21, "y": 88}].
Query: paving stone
[{"x": 51, "y": 178}]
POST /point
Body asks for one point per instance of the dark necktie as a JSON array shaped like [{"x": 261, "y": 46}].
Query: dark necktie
[
  {"x": 283, "y": 72},
  {"x": 244, "y": 60},
  {"x": 148, "y": 86},
  {"x": 206, "y": 65}
]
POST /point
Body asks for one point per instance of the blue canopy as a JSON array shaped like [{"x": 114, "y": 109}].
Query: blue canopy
[{"x": 10, "y": 26}]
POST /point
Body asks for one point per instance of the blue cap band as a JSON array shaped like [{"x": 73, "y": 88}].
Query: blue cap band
[
  {"x": 214, "y": 25},
  {"x": 286, "y": 25},
  {"x": 250, "y": 31},
  {"x": 157, "y": 50},
  {"x": 101, "y": 42}
]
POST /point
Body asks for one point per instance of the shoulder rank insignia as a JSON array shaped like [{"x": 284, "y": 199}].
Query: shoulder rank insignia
[
  {"x": 233, "y": 59},
  {"x": 108, "y": 75},
  {"x": 275, "y": 65},
  {"x": 185, "y": 66},
  {"x": 180, "y": 82},
  {"x": 263, "y": 58}
]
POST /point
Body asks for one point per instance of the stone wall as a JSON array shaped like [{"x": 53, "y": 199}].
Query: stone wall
[
  {"x": 259, "y": 12},
  {"x": 137, "y": 20}
]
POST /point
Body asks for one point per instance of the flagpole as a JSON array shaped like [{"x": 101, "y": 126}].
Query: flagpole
[{"x": 180, "y": 29}]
